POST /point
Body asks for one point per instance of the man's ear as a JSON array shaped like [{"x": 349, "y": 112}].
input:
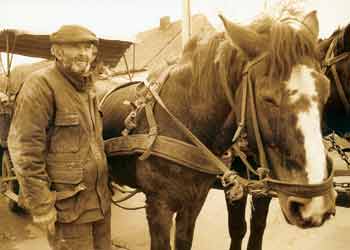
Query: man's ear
[
  {"x": 57, "y": 51},
  {"x": 94, "y": 51}
]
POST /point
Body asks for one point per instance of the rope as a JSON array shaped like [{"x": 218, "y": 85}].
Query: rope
[
  {"x": 130, "y": 193},
  {"x": 128, "y": 208},
  {"x": 127, "y": 197},
  {"x": 120, "y": 189},
  {"x": 243, "y": 112}
]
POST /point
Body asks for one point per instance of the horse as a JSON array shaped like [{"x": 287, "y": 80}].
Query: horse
[
  {"x": 335, "y": 118},
  {"x": 335, "y": 53},
  {"x": 205, "y": 90}
]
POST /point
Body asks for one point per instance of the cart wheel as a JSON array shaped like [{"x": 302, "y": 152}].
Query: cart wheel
[{"x": 11, "y": 185}]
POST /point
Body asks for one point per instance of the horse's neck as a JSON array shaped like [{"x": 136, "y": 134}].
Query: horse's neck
[{"x": 204, "y": 116}]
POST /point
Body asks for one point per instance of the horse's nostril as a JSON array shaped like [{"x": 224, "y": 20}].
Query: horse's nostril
[
  {"x": 332, "y": 211},
  {"x": 296, "y": 204},
  {"x": 327, "y": 216},
  {"x": 294, "y": 207}
]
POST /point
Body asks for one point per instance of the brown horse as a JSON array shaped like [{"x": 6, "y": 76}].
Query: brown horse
[
  {"x": 336, "y": 112},
  {"x": 289, "y": 91},
  {"x": 335, "y": 118}
]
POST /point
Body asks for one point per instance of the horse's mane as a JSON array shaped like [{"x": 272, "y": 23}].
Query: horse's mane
[
  {"x": 286, "y": 46},
  {"x": 212, "y": 59}
]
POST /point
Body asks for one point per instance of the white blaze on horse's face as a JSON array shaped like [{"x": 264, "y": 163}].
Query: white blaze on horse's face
[{"x": 302, "y": 84}]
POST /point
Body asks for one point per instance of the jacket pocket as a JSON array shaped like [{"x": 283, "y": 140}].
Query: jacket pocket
[
  {"x": 65, "y": 137},
  {"x": 66, "y": 173}
]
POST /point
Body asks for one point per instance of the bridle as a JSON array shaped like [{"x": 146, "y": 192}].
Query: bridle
[
  {"x": 266, "y": 185},
  {"x": 329, "y": 63},
  {"x": 231, "y": 179}
]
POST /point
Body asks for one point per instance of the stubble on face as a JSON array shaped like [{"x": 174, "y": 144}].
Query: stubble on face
[{"x": 77, "y": 58}]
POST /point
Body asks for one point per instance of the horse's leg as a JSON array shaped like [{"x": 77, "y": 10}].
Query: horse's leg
[
  {"x": 258, "y": 218},
  {"x": 159, "y": 217},
  {"x": 185, "y": 224},
  {"x": 236, "y": 222}
]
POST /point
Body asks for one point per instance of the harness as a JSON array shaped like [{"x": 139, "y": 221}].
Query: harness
[
  {"x": 200, "y": 158},
  {"x": 330, "y": 62},
  {"x": 267, "y": 185}
]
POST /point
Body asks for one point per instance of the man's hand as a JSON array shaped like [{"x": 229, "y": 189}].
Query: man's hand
[{"x": 47, "y": 221}]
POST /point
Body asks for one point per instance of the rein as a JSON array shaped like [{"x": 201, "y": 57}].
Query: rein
[{"x": 330, "y": 62}]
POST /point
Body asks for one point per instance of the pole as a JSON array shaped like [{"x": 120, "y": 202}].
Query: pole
[{"x": 186, "y": 22}]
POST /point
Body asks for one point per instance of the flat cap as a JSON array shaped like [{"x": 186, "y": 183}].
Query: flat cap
[{"x": 73, "y": 34}]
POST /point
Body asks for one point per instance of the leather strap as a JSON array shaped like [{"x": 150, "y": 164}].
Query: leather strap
[
  {"x": 153, "y": 128},
  {"x": 216, "y": 162},
  {"x": 260, "y": 145},
  {"x": 165, "y": 147},
  {"x": 300, "y": 190},
  {"x": 153, "y": 132}
]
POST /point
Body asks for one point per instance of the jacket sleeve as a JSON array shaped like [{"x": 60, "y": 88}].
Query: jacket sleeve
[{"x": 27, "y": 144}]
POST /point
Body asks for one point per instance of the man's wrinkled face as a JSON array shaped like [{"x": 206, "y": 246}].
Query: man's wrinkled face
[{"x": 76, "y": 57}]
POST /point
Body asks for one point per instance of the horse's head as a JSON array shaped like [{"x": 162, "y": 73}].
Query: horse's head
[
  {"x": 335, "y": 52},
  {"x": 290, "y": 94}
]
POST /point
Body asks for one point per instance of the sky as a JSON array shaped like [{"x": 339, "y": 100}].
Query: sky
[{"x": 123, "y": 19}]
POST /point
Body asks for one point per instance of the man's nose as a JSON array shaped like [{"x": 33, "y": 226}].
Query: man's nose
[{"x": 83, "y": 51}]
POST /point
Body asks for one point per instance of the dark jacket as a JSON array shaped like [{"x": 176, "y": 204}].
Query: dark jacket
[{"x": 56, "y": 146}]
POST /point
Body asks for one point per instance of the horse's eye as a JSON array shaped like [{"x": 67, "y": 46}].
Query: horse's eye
[
  {"x": 270, "y": 100},
  {"x": 292, "y": 92}
]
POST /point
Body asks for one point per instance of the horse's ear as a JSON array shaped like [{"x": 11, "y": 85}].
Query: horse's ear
[
  {"x": 311, "y": 21},
  {"x": 245, "y": 38}
]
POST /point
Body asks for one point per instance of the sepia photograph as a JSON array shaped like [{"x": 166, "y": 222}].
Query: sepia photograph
[{"x": 175, "y": 125}]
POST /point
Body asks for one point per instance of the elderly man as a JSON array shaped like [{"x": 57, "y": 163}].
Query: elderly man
[{"x": 56, "y": 146}]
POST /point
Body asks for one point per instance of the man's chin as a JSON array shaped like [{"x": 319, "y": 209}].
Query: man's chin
[{"x": 81, "y": 70}]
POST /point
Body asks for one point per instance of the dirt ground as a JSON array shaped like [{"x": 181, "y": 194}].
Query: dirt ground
[{"x": 129, "y": 229}]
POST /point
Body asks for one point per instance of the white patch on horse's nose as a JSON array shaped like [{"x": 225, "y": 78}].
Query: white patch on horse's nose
[
  {"x": 303, "y": 85},
  {"x": 314, "y": 210}
]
